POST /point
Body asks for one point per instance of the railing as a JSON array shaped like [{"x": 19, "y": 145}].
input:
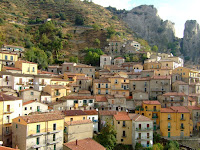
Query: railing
[
  {"x": 169, "y": 127},
  {"x": 182, "y": 119},
  {"x": 182, "y": 127},
  {"x": 154, "y": 117},
  {"x": 124, "y": 136},
  {"x": 144, "y": 138},
  {"x": 143, "y": 129},
  {"x": 197, "y": 116},
  {"x": 155, "y": 110},
  {"x": 54, "y": 131},
  {"x": 57, "y": 94},
  {"x": 123, "y": 125}
]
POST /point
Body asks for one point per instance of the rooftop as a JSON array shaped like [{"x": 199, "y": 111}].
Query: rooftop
[
  {"x": 122, "y": 116},
  {"x": 41, "y": 117},
  {"x": 85, "y": 144},
  {"x": 91, "y": 112},
  {"x": 5, "y": 97},
  {"x": 161, "y": 77},
  {"x": 101, "y": 80},
  {"x": 174, "y": 109},
  {"x": 151, "y": 102},
  {"x": 78, "y": 122},
  {"x": 7, "y": 148},
  {"x": 138, "y": 118},
  {"x": 119, "y": 58},
  {"x": 11, "y": 68},
  {"x": 107, "y": 112},
  {"x": 73, "y": 113},
  {"x": 71, "y": 97},
  {"x": 194, "y": 107},
  {"x": 101, "y": 98}
]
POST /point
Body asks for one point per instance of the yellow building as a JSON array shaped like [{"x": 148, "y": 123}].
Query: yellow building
[
  {"x": 152, "y": 65},
  {"x": 10, "y": 108},
  {"x": 175, "y": 122},
  {"x": 27, "y": 67},
  {"x": 164, "y": 71},
  {"x": 123, "y": 126},
  {"x": 101, "y": 86},
  {"x": 8, "y": 58},
  {"x": 31, "y": 132},
  {"x": 59, "y": 81},
  {"x": 119, "y": 85},
  {"x": 150, "y": 109},
  {"x": 74, "y": 115},
  {"x": 188, "y": 75},
  {"x": 56, "y": 91}
]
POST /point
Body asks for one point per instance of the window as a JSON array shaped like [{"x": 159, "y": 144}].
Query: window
[
  {"x": 169, "y": 116},
  {"x": 169, "y": 125},
  {"x": 182, "y": 126},
  {"x": 54, "y": 137},
  {"x": 90, "y": 101},
  {"x": 106, "y": 85},
  {"x": 99, "y": 91},
  {"x": 32, "y": 93},
  {"x": 28, "y": 70},
  {"x": 124, "y": 134},
  {"x": 124, "y": 123},
  {"x": 83, "y": 118},
  {"x": 25, "y": 108},
  {"x": 104, "y": 59},
  {"x": 38, "y": 128},
  {"x": 8, "y": 108},
  {"x": 18, "y": 120},
  {"x": 122, "y": 140},
  {"x": 197, "y": 114},
  {"x": 54, "y": 147},
  {"x": 6, "y": 57},
  {"x": 116, "y": 81},
  {"x": 7, "y": 130},
  {"x": 11, "y": 57},
  {"x": 75, "y": 101},
  {"x": 99, "y": 85},
  {"x": 38, "y": 108},
  {"x": 71, "y": 119},
  {"x": 118, "y": 122},
  {"x": 30, "y": 108},
  {"x": 84, "y": 101},
  {"x": 106, "y": 91},
  {"x": 38, "y": 141},
  {"x": 54, "y": 126},
  {"x": 182, "y": 116},
  {"x": 33, "y": 69},
  {"x": 16, "y": 126}
]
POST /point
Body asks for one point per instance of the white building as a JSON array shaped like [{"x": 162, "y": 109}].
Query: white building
[
  {"x": 119, "y": 61},
  {"x": 34, "y": 106},
  {"x": 93, "y": 116},
  {"x": 142, "y": 130},
  {"x": 45, "y": 98},
  {"x": 105, "y": 60},
  {"x": 40, "y": 81}
]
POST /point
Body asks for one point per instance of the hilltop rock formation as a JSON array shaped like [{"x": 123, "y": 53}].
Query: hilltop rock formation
[
  {"x": 191, "y": 41},
  {"x": 146, "y": 23}
]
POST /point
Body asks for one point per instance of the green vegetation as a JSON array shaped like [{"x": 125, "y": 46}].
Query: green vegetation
[
  {"x": 79, "y": 20},
  {"x": 172, "y": 145},
  {"x": 156, "y": 137},
  {"x": 38, "y": 56},
  {"x": 173, "y": 47},
  {"x": 73, "y": 59},
  {"x": 155, "y": 48},
  {"x": 93, "y": 56},
  {"x": 97, "y": 42},
  {"x": 111, "y": 31},
  {"x": 1, "y": 21},
  {"x": 107, "y": 136}
]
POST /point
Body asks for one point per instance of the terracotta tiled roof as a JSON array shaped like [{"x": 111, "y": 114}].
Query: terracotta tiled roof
[
  {"x": 7, "y": 148},
  {"x": 76, "y": 97},
  {"x": 91, "y": 112},
  {"x": 191, "y": 99},
  {"x": 84, "y": 92},
  {"x": 57, "y": 86},
  {"x": 122, "y": 116},
  {"x": 161, "y": 77},
  {"x": 41, "y": 117},
  {"x": 78, "y": 122},
  {"x": 82, "y": 78},
  {"x": 166, "y": 110},
  {"x": 44, "y": 72},
  {"x": 180, "y": 83},
  {"x": 141, "y": 79},
  {"x": 119, "y": 58},
  {"x": 73, "y": 113},
  {"x": 174, "y": 94},
  {"x": 28, "y": 102},
  {"x": 101, "y": 98},
  {"x": 59, "y": 79},
  {"x": 151, "y": 102},
  {"x": 24, "y": 61},
  {"x": 85, "y": 144},
  {"x": 101, "y": 80},
  {"x": 194, "y": 107},
  {"x": 104, "y": 70},
  {"x": 45, "y": 94},
  {"x": 138, "y": 118},
  {"x": 11, "y": 68},
  {"x": 174, "y": 109},
  {"x": 5, "y": 97},
  {"x": 107, "y": 112}
]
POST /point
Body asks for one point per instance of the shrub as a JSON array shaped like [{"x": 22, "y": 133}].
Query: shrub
[{"x": 79, "y": 20}]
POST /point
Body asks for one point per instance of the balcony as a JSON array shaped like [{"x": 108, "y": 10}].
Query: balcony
[
  {"x": 182, "y": 119},
  {"x": 124, "y": 136},
  {"x": 37, "y": 134},
  {"x": 182, "y": 127},
  {"x": 123, "y": 126},
  {"x": 57, "y": 140},
  {"x": 154, "y": 117},
  {"x": 173, "y": 101},
  {"x": 38, "y": 146},
  {"x": 8, "y": 112},
  {"x": 7, "y": 122},
  {"x": 169, "y": 118},
  {"x": 197, "y": 116},
  {"x": 95, "y": 121},
  {"x": 154, "y": 110},
  {"x": 20, "y": 83},
  {"x": 7, "y": 133},
  {"x": 144, "y": 138},
  {"x": 143, "y": 129},
  {"x": 169, "y": 127},
  {"x": 57, "y": 94},
  {"x": 54, "y": 131}
]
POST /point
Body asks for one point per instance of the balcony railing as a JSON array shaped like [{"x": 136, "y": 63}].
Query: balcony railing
[
  {"x": 155, "y": 110},
  {"x": 182, "y": 119},
  {"x": 37, "y": 134},
  {"x": 182, "y": 127},
  {"x": 123, "y": 136},
  {"x": 144, "y": 138},
  {"x": 54, "y": 131},
  {"x": 143, "y": 129},
  {"x": 154, "y": 117},
  {"x": 169, "y": 127},
  {"x": 57, "y": 94}
]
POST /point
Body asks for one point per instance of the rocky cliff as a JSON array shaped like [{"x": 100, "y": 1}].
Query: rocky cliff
[
  {"x": 146, "y": 23},
  {"x": 191, "y": 41}
]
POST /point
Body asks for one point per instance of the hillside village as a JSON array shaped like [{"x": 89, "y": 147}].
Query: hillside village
[{"x": 65, "y": 106}]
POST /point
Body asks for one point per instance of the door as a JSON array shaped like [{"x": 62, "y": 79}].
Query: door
[
  {"x": 154, "y": 127},
  {"x": 169, "y": 134},
  {"x": 182, "y": 134}
]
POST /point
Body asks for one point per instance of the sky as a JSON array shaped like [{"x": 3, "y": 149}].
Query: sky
[{"x": 177, "y": 11}]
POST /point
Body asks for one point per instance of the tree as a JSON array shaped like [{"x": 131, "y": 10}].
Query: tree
[
  {"x": 34, "y": 54},
  {"x": 93, "y": 56},
  {"x": 73, "y": 59},
  {"x": 155, "y": 48},
  {"x": 97, "y": 42},
  {"x": 156, "y": 137},
  {"x": 111, "y": 31},
  {"x": 128, "y": 59},
  {"x": 135, "y": 58},
  {"x": 172, "y": 145},
  {"x": 79, "y": 20},
  {"x": 107, "y": 136},
  {"x": 96, "y": 27},
  {"x": 138, "y": 146},
  {"x": 1, "y": 21}
]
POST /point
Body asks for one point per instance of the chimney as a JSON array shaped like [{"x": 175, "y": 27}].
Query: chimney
[{"x": 76, "y": 142}]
